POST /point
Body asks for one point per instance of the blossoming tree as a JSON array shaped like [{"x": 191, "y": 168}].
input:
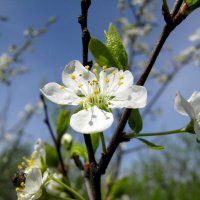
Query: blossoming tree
[{"x": 97, "y": 89}]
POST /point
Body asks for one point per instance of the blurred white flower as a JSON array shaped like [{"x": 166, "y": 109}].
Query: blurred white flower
[
  {"x": 96, "y": 93},
  {"x": 138, "y": 2},
  {"x": 5, "y": 61},
  {"x": 66, "y": 139},
  {"x": 191, "y": 108},
  {"x": 34, "y": 174},
  {"x": 196, "y": 36},
  {"x": 31, "y": 188},
  {"x": 54, "y": 188}
]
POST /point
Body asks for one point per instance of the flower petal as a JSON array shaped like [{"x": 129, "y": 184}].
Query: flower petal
[
  {"x": 183, "y": 107},
  {"x": 59, "y": 95},
  {"x": 91, "y": 120},
  {"x": 76, "y": 77},
  {"x": 133, "y": 97},
  {"x": 33, "y": 181},
  {"x": 194, "y": 101},
  {"x": 113, "y": 81}
]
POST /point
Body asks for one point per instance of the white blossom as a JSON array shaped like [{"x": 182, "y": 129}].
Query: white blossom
[
  {"x": 5, "y": 61},
  {"x": 35, "y": 174},
  {"x": 191, "y": 108},
  {"x": 31, "y": 189},
  {"x": 96, "y": 93},
  {"x": 54, "y": 188},
  {"x": 196, "y": 36}
]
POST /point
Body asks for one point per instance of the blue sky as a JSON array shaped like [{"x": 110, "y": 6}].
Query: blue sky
[{"x": 63, "y": 43}]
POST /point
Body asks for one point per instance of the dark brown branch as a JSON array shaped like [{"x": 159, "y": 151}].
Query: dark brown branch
[
  {"x": 118, "y": 134},
  {"x": 91, "y": 173}
]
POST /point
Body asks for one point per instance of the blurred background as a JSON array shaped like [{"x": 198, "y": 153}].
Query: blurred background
[{"x": 38, "y": 38}]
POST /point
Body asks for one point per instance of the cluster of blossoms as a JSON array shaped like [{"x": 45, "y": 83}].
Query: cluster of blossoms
[
  {"x": 95, "y": 93},
  {"x": 191, "y": 108},
  {"x": 32, "y": 174},
  {"x": 5, "y": 61}
]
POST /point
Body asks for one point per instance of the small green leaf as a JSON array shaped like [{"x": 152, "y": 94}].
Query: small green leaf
[
  {"x": 95, "y": 141},
  {"x": 119, "y": 188},
  {"x": 79, "y": 150},
  {"x": 116, "y": 47},
  {"x": 151, "y": 145},
  {"x": 62, "y": 122},
  {"x": 51, "y": 156},
  {"x": 135, "y": 121},
  {"x": 101, "y": 53}
]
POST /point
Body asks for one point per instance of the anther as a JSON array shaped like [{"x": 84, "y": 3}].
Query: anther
[
  {"x": 96, "y": 64},
  {"x": 107, "y": 80},
  {"x": 94, "y": 70},
  {"x": 81, "y": 102},
  {"x": 104, "y": 67},
  {"x": 80, "y": 85},
  {"x": 87, "y": 67},
  {"x": 114, "y": 72},
  {"x": 96, "y": 91},
  {"x": 121, "y": 77},
  {"x": 120, "y": 83},
  {"x": 73, "y": 77},
  {"x": 61, "y": 87}
]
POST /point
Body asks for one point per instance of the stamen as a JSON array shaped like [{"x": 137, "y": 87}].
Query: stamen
[
  {"x": 107, "y": 80},
  {"x": 96, "y": 64},
  {"x": 81, "y": 102},
  {"x": 114, "y": 72},
  {"x": 73, "y": 77},
  {"x": 22, "y": 184},
  {"x": 87, "y": 67},
  {"x": 120, "y": 83},
  {"x": 80, "y": 85},
  {"x": 94, "y": 70},
  {"x": 121, "y": 77},
  {"x": 96, "y": 91},
  {"x": 61, "y": 87},
  {"x": 104, "y": 67}
]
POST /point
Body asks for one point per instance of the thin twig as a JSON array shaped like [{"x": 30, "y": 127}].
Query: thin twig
[{"x": 57, "y": 145}]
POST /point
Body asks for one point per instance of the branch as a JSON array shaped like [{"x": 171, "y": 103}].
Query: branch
[
  {"x": 118, "y": 135},
  {"x": 91, "y": 171}
]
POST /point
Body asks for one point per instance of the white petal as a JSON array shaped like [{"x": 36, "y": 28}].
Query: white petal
[
  {"x": 133, "y": 97},
  {"x": 33, "y": 181},
  {"x": 113, "y": 75},
  {"x": 54, "y": 93},
  {"x": 194, "y": 100},
  {"x": 183, "y": 107},
  {"x": 91, "y": 120},
  {"x": 81, "y": 75}
]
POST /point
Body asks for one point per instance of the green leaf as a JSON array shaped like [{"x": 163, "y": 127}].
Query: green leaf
[
  {"x": 101, "y": 53},
  {"x": 119, "y": 188},
  {"x": 62, "y": 122},
  {"x": 116, "y": 47},
  {"x": 79, "y": 150},
  {"x": 51, "y": 156},
  {"x": 135, "y": 121},
  {"x": 95, "y": 141},
  {"x": 192, "y": 4},
  {"x": 151, "y": 145}
]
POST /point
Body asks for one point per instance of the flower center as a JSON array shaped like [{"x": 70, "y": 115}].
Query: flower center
[{"x": 98, "y": 91}]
